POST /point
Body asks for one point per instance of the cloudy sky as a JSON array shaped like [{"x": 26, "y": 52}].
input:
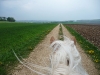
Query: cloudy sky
[{"x": 51, "y": 10}]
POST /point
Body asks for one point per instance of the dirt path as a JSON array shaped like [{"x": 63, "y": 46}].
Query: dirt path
[
  {"x": 86, "y": 61},
  {"x": 42, "y": 50}
]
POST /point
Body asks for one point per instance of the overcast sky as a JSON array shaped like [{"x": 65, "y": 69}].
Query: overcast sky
[{"x": 50, "y": 9}]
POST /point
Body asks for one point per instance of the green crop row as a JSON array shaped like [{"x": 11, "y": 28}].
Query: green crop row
[
  {"x": 89, "y": 48},
  {"x": 20, "y": 37}
]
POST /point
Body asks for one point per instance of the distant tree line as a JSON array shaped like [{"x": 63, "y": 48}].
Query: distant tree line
[{"x": 10, "y": 19}]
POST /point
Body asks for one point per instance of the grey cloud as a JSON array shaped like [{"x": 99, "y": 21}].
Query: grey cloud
[{"x": 50, "y": 9}]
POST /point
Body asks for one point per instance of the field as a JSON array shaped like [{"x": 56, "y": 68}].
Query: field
[
  {"x": 20, "y": 37},
  {"x": 90, "y": 32},
  {"x": 88, "y": 37}
]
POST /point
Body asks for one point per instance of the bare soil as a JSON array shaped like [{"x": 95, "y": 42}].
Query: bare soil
[
  {"x": 41, "y": 53},
  {"x": 90, "y": 32}
]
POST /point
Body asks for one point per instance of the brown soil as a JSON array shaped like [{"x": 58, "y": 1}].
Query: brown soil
[{"x": 41, "y": 53}]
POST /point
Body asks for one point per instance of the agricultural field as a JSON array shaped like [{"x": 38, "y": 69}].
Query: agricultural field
[
  {"x": 20, "y": 37},
  {"x": 88, "y": 37},
  {"x": 90, "y": 32}
]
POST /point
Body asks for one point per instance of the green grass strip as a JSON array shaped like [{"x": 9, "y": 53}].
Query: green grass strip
[
  {"x": 89, "y": 48},
  {"x": 60, "y": 33}
]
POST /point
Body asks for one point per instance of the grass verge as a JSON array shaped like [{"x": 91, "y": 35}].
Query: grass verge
[{"x": 60, "y": 37}]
